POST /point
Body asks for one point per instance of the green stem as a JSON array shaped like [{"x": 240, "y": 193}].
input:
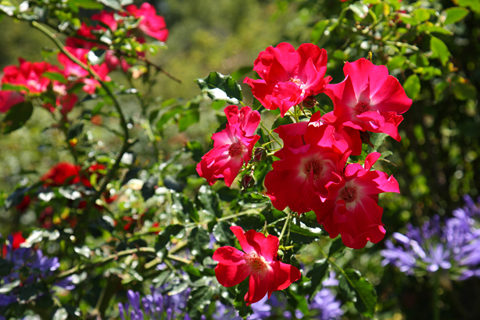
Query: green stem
[
  {"x": 143, "y": 251},
  {"x": 287, "y": 222},
  {"x": 436, "y": 298},
  {"x": 270, "y": 134}
]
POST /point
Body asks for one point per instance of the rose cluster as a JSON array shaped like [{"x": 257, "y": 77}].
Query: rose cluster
[
  {"x": 311, "y": 172},
  {"x": 59, "y": 87}
]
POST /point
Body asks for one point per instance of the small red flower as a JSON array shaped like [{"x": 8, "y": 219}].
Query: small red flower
[
  {"x": 150, "y": 23},
  {"x": 30, "y": 75},
  {"x": 232, "y": 146},
  {"x": 16, "y": 240},
  {"x": 355, "y": 213},
  {"x": 289, "y": 76},
  {"x": 368, "y": 99},
  {"x": 258, "y": 260},
  {"x": 62, "y": 173}
]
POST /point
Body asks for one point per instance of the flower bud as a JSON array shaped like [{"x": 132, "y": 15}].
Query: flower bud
[
  {"x": 259, "y": 155},
  {"x": 247, "y": 181},
  {"x": 310, "y": 102}
]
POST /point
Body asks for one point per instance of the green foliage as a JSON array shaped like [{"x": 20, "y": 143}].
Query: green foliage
[
  {"x": 359, "y": 290},
  {"x": 221, "y": 87}
]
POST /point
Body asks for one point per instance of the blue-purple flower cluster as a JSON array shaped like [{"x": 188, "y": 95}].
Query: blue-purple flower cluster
[
  {"x": 324, "y": 306},
  {"x": 26, "y": 268},
  {"x": 162, "y": 306},
  {"x": 155, "y": 306},
  {"x": 453, "y": 245}
]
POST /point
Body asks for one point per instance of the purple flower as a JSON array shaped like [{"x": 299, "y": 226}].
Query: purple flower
[
  {"x": 261, "y": 309},
  {"x": 453, "y": 246},
  {"x": 329, "y": 308}
]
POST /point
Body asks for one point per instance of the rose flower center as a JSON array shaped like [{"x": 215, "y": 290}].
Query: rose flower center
[
  {"x": 257, "y": 264},
  {"x": 314, "y": 166},
  {"x": 362, "y": 107},
  {"x": 235, "y": 149},
  {"x": 349, "y": 194}
]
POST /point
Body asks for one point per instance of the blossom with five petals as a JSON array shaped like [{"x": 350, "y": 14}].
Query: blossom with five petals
[
  {"x": 231, "y": 147},
  {"x": 289, "y": 76},
  {"x": 258, "y": 260},
  {"x": 368, "y": 99},
  {"x": 151, "y": 24},
  {"x": 355, "y": 213}
]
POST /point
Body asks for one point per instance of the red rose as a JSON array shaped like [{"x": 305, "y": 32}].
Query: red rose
[
  {"x": 258, "y": 260},
  {"x": 150, "y": 23},
  {"x": 289, "y": 76},
  {"x": 355, "y": 214},
  {"x": 232, "y": 146},
  {"x": 368, "y": 99}
]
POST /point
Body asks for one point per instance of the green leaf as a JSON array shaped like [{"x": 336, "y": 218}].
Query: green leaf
[
  {"x": 75, "y": 131},
  {"x": 421, "y": 14},
  {"x": 209, "y": 201},
  {"x": 431, "y": 28},
  {"x": 223, "y": 234},
  {"x": 464, "y": 91},
  {"x": 6, "y": 288},
  {"x": 196, "y": 149},
  {"x": 455, "y": 14},
  {"x": 14, "y": 87},
  {"x": 359, "y": 290},
  {"x": 336, "y": 246},
  {"x": 114, "y": 4},
  {"x": 240, "y": 72},
  {"x": 439, "y": 50},
  {"x": 198, "y": 240},
  {"x": 360, "y": 9},
  {"x": 5, "y": 267},
  {"x": 189, "y": 117},
  {"x": 316, "y": 275},
  {"x": 86, "y": 4},
  {"x": 440, "y": 89},
  {"x": 303, "y": 234},
  {"x": 412, "y": 86},
  {"x": 164, "y": 237},
  {"x": 55, "y": 76},
  {"x": 396, "y": 62},
  {"x": 472, "y": 4},
  {"x": 221, "y": 87},
  {"x": 199, "y": 298},
  {"x": 17, "y": 116},
  {"x": 318, "y": 30},
  {"x": 167, "y": 116}
]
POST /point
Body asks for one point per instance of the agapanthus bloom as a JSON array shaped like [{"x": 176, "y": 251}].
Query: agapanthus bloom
[
  {"x": 368, "y": 99},
  {"x": 453, "y": 245},
  {"x": 289, "y": 76},
  {"x": 154, "y": 306},
  {"x": 355, "y": 213},
  {"x": 258, "y": 261},
  {"x": 29, "y": 269},
  {"x": 231, "y": 147},
  {"x": 151, "y": 24},
  {"x": 311, "y": 158}
]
